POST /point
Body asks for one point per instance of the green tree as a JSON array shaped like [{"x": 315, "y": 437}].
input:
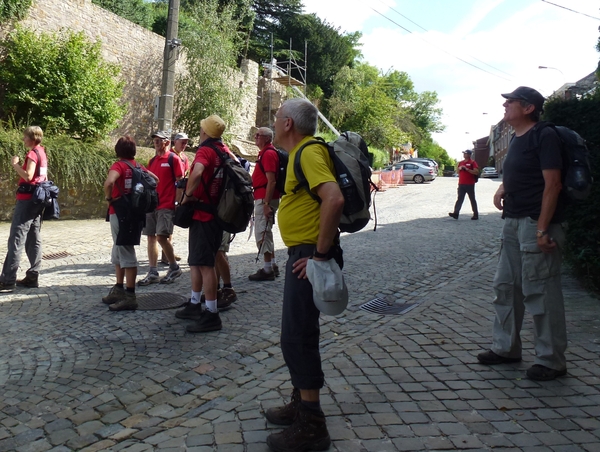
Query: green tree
[
  {"x": 211, "y": 47},
  {"x": 13, "y": 9},
  {"x": 328, "y": 49},
  {"x": 137, "y": 11},
  {"x": 60, "y": 82}
]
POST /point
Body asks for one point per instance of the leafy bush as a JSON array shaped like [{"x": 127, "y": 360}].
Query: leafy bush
[
  {"x": 137, "y": 11},
  {"x": 59, "y": 82},
  {"x": 583, "y": 233},
  {"x": 13, "y": 9},
  {"x": 211, "y": 49}
]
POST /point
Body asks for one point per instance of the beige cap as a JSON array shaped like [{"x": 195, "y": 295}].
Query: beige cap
[{"x": 213, "y": 126}]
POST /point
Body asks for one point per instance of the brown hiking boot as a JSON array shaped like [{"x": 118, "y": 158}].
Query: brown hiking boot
[
  {"x": 127, "y": 303},
  {"x": 225, "y": 297},
  {"x": 307, "y": 433},
  {"x": 30, "y": 280},
  {"x": 189, "y": 311},
  {"x": 275, "y": 270},
  {"x": 285, "y": 415},
  {"x": 116, "y": 294},
  {"x": 262, "y": 275}
]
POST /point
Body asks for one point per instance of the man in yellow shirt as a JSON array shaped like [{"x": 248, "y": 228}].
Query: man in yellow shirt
[{"x": 310, "y": 231}]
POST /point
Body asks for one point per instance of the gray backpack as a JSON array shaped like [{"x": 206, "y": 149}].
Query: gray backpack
[{"x": 350, "y": 156}]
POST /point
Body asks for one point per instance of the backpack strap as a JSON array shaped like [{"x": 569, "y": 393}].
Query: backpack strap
[
  {"x": 223, "y": 157},
  {"x": 302, "y": 181},
  {"x": 259, "y": 163},
  {"x": 132, "y": 168}
]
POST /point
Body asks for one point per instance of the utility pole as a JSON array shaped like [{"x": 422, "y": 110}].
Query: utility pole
[{"x": 171, "y": 54}]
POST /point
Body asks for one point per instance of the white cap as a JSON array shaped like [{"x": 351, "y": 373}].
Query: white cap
[
  {"x": 330, "y": 293},
  {"x": 181, "y": 136}
]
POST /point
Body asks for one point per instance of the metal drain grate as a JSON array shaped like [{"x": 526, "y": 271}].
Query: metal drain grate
[
  {"x": 382, "y": 306},
  {"x": 59, "y": 255},
  {"x": 153, "y": 301}
]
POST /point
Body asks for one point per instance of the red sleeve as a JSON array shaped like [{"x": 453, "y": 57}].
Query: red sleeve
[{"x": 270, "y": 161}]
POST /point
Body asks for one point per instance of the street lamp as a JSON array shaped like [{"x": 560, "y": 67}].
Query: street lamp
[{"x": 553, "y": 68}]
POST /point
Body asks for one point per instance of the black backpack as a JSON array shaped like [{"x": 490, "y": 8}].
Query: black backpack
[
  {"x": 281, "y": 170},
  {"x": 235, "y": 201},
  {"x": 576, "y": 177},
  {"x": 350, "y": 157},
  {"x": 143, "y": 197}
]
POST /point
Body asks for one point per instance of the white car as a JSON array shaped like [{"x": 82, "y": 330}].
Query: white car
[{"x": 489, "y": 172}]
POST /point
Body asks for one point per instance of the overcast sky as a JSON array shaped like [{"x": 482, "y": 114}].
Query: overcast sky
[{"x": 505, "y": 39}]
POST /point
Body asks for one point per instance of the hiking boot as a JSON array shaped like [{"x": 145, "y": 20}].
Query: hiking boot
[
  {"x": 209, "y": 321},
  {"x": 307, "y": 433},
  {"x": 453, "y": 215},
  {"x": 285, "y": 415},
  {"x": 151, "y": 278},
  {"x": 30, "y": 280},
  {"x": 262, "y": 275},
  {"x": 171, "y": 276},
  {"x": 6, "y": 288},
  {"x": 225, "y": 297},
  {"x": 475, "y": 217},
  {"x": 127, "y": 303},
  {"x": 538, "y": 372},
  {"x": 275, "y": 270},
  {"x": 190, "y": 311},
  {"x": 490, "y": 358},
  {"x": 116, "y": 294}
]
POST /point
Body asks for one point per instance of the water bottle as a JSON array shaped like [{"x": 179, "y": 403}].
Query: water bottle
[
  {"x": 139, "y": 188},
  {"x": 353, "y": 203}
]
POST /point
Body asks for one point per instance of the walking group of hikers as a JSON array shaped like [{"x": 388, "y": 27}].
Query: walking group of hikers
[{"x": 324, "y": 194}]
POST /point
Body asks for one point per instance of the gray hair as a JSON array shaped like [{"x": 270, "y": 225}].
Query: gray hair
[
  {"x": 266, "y": 132},
  {"x": 304, "y": 114}
]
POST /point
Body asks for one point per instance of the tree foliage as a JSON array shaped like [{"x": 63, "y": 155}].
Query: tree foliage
[
  {"x": 384, "y": 108},
  {"x": 60, "y": 82},
  {"x": 211, "y": 48},
  {"x": 13, "y": 9},
  {"x": 328, "y": 49},
  {"x": 583, "y": 234},
  {"x": 137, "y": 11}
]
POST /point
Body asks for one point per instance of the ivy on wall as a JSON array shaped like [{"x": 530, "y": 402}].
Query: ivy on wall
[{"x": 13, "y": 9}]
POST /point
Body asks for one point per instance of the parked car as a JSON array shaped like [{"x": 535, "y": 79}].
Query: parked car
[
  {"x": 413, "y": 171},
  {"x": 489, "y": 172},
  {"x": 424, "y": 161}
]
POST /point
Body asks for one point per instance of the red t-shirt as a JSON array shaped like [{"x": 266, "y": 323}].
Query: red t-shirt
[
  {"x": 166, "y": 184},
  {"x": 211, "y": 162},
  {"x": 124, "y": 180},
  {"x": 269, "y": 159},
  {"x": 464, "y": 177},
  {"x": 41, "y": 170},
  {"x": 185, "y": 163}
]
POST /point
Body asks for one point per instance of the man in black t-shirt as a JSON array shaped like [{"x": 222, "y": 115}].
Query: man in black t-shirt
[{"x": 528, "y": 272}]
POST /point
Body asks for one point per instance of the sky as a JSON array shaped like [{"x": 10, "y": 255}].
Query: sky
[{"x": 501, "y": 44}]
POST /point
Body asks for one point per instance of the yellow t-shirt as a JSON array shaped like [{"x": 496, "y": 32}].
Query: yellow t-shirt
[{"x": 299, "y": 214}]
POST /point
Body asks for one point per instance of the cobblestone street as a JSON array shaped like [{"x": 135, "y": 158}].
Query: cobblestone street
[{"x": 75, "y": 376}]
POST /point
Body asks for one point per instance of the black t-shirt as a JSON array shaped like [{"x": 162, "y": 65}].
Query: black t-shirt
[{"x": 522, "y": 174}]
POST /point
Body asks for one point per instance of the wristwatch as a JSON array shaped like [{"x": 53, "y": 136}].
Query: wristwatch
[
  {"x": 319, "y": 255},
  {"x": 539, "y": 234},
  {"x": 108, "y": 199}
]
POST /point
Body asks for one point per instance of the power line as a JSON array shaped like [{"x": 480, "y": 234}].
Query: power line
[
  {"x": 427, "y": 31},
  {"x": 439, "y": 48},
  {"x": 572, "y": 10}
]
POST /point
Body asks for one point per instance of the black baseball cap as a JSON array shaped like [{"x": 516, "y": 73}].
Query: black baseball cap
[
  {"x": 529, "y": 95},
  {"x": 468, "y": 151},
  {"x": 162, "y": 134}
]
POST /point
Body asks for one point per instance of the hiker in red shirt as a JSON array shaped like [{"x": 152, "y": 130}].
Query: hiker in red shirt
[
  {"x": 266, "y": 202},
  {"x": 467, "y": 172}
]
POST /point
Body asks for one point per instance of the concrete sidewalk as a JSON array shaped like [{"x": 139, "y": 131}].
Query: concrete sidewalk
[{"x": 75, "y": 376}]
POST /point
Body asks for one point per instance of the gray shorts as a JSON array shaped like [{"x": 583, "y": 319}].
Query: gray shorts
[
  {"x": 159, "y": 222},
  {"x": 225, "y": 240},
  {"x": 123, "y": 256}
]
